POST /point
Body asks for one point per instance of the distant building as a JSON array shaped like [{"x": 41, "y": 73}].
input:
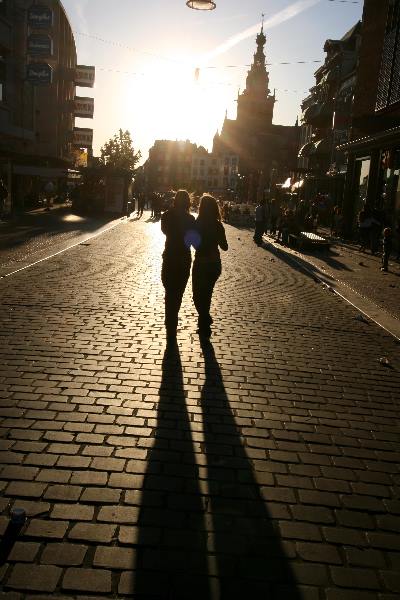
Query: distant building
[
  {"x": 266, "y": 152},
  {"x": 38, "y": 75},
  {"x": 169, "y": 165},
  {"x": 214, "y": 173},
  {"x": 373, "y": 172},
  {"x": 326, "y": 117},
  {"x": 181, "y": 164}
]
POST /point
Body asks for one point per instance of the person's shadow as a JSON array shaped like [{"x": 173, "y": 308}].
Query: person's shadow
[
  {"x": 204, "y": 529},
  {"x": 248, "y": 556},
  {"x": 171, "y": 555}
]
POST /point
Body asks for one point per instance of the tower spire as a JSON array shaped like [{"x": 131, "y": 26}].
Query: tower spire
[{"x": 262, "y": 22}]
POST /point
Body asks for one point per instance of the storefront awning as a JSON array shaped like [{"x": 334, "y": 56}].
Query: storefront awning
[
  {"x": 322, "y": 147},
  {"x": 390, "y": 137},
  {"x": 306, "y": 150}
]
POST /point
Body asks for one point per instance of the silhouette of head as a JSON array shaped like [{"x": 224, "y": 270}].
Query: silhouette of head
[
  {"x": 182, "y": 201},
  {"x": 209, "y": 209}
]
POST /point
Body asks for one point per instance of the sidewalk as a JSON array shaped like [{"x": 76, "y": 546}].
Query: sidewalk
[{"x": 359, "y": 271}]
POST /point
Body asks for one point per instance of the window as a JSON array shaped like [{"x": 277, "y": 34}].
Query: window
[{"x": 389, "y": 77}]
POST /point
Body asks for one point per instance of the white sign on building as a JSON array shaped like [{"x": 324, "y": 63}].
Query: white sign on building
[
  {"x": 83, "y": 137},
  {"x": 84, "y": 76},
  {"x": 84, "y": 107}
]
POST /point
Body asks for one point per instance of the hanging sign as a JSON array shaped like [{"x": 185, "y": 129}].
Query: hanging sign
[
  {"x": 84, "y": 107},
  {"x": 39, "y": 74},
  {"x": 83, "y": 137},
  {"x": 40, "y": 17},
  {"x": 40, "y": 44},
  {"x": 84, "y": 76}
]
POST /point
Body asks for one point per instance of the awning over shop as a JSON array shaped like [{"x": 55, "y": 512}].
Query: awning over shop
[
  {"x": 390, "y": 137},
  {"x": 306, "y": 150},
  {"x": 48, "y": 172},
  {"x": 322, "y": 147},
  {"x": 318, "y": 114}
]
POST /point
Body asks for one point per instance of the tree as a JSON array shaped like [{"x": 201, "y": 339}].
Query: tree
[{"x": 118, "y": 152}]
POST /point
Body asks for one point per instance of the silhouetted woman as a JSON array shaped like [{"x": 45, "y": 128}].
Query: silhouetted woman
[
  {"x": 207, "y": 263},
  {"x": 176, "y": 224}
]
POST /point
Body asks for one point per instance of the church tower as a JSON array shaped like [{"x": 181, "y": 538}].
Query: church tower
[{"x": 255, "y": 108}]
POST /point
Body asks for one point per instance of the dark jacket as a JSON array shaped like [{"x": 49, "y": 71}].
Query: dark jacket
[
  {"x": 211, "y": 238},
  {"x": 176, "y": 225}
]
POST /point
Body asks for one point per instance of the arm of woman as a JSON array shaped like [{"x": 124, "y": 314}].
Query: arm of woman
[{"x": 222, "y": 243}]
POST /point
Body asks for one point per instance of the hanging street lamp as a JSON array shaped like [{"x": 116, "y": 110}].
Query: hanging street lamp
[{"x": 201, "y": 4}]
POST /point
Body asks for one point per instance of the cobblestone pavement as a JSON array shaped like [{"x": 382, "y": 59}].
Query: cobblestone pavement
[
  {"x": 37, "y": 234},
  {"x": 360, "y": 271},
  {"x": 263, "y": 465}
]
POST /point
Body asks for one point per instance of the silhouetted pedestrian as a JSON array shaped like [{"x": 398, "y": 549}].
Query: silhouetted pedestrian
[
  {"x": 207, "y": 263},
  {"x": 260, "y": 222},
  {"x": 176, "y": 224},
  {"x": 387, "y": 246},
  {"x": 141, "y": 203}
]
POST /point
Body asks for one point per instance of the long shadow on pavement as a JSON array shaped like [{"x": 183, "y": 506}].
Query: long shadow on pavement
[
  {"x": 216, "y": 539},
  {"x": 172, "y": 506},
  {"x": 247, "y": 554}
]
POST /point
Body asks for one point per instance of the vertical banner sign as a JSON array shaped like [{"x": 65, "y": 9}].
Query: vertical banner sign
[
  {"x": 84, "y": 107},
  {"x": 40, "y": 17},
  {"x": 84, "y": 76},
  {"x": 83, "y": 137}
]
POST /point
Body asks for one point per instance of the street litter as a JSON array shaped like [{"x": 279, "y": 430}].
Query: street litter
[
  {"x": 385, "y": 362},
  {"x": 361, "y": 318}
]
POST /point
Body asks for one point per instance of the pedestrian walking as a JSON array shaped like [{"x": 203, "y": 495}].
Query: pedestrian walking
[
  {"x": 364, "y": 226},
  {"x": 3, "y": 198},
  {"x": 375, "y": 231},
  {"x": 141, "y": 202},
  {"x": 273, "y": 216},
  {"x": 176, "y": 224},
  {"x": 207, "y": 263},
  {"x": 260, "y": 222},
  {"x": 49, "y": 190},
  {"x": 397, "y": 233},
  {"x": 387, "y": 246}
]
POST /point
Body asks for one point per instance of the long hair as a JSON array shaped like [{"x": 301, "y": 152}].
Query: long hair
[
  {"x": 182, "y": 201},
  {"x": 209, "y": 210}
]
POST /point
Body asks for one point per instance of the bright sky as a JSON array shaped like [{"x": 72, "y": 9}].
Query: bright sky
[{"x": 145, "y": 68}]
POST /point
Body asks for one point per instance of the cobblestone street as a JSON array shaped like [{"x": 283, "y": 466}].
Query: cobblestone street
[{"x": 264, "y": 465}]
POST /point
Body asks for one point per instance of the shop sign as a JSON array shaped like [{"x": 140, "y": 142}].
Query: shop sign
[
  {"x": 40, "y": 44},
  {"x": 83, "y": 137},
  {"x": 84, "y": 107},
  {"x": 39, "y": 74},
  {"x": 40, "y": 17},
  {"x": 84, "y": 76}
]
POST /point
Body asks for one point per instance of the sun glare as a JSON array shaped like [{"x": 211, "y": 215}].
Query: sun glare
[{"x": 176, "y": 103}]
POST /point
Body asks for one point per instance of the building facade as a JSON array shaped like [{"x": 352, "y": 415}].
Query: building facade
[
  {"x": 266, "y": 152},
  {"x": 38, "y": 72},
  {"x": 214, "y": 173},
  {"x": 326, "y": 118},
  {"x": 174, "y": 164},
  {"x": 373, "y": 173},
  {"x": 169, "y": 165}
]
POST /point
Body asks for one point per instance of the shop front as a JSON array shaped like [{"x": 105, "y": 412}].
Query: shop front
[{"x": 373, "y": 177}]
